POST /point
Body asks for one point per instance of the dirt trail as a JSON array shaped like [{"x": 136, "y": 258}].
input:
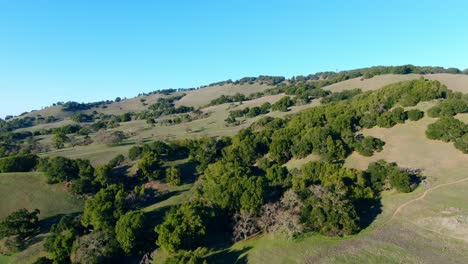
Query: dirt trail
[{"x": 424, "y": 195}]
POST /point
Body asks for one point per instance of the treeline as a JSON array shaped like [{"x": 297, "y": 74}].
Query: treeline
[
  {"x": 262, "y": 79},
  {"x": 303, "y": 93},
  {"x": 13, "y": 124},
  {"x": 328, "y": 78},
  {"x": 163, "y": 106}
]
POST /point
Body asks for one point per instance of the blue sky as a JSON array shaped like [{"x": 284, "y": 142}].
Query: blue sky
[{"x": 94, "y": 50}]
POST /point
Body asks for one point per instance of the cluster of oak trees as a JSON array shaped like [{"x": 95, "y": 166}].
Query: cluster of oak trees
[{"x": 447, "y": 128}]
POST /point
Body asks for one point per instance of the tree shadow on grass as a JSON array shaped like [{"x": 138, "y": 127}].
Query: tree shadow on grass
[
  {"x": 46, "y": 223},
  {"x": 162, "y": 196},
  {"x": 230, "y": 256},
  {"x": 368, "y": 210},
  {"x": 188, "y": 172},
  {"x": 156, "y": 217}
]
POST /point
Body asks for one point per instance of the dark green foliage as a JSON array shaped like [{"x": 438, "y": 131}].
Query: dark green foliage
[
  {"x": 415, "y": 114},
  {"x": 280, "y": 146},
  {"x": 229, "y": 186},
  {"x": 205, "y": 151},
  {"x": 86, "y": 181},
  {"x": 449, "y": 107},
  {"x": 391, "y": 118},
  {"x": 134, "y": 152},
  {"x": 60, "y": 246},
  {"x": 447, "y": 129},
  {"x": 329, "y": 212},
  {"x": 183, "y": 228},
  {"x": 117, "y": 160},
  {"x": 277, "y": 175},
  {"x": 125, "y": 117},
  {"x": 248, "y": 112},
  {"x": 75, "y": 106},
  {"x": 149, "y": 166},
  {"x": 18, "y": 163},
  {"x": 132, "y": 233},
  {"x": 328, "y": 130},
  {"x": 400, "y": 180},
  {"x": 80, "y": 117},
  {"x": 59, "y": 139},
  {"x": 103, "y": 211},
  {"x": 103, "y": 175},
  {"x": 283, "y": 104},
  {"x": 173, "y": 176},
  {"x": 228, "y": 99},
  {"x": 382, "y": 173},
  {"x": 461, "y": 143},
  {"x": 21, "y": 223},
  {"x": 340, "y": 96},
  {"x": 59, "y": 169},
  {"x": 353, "y": 182},
  {"x": 368, "y": 145}
]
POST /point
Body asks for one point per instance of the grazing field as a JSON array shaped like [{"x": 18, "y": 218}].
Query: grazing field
[
  {"x": 456, "y": 82},
  {"x": 203, "y": 96},
  {"x": 373, "y": 83},
  {"x": 30, "y": 191}
]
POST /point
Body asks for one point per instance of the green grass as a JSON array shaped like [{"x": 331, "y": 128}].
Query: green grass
[
  {"x": 30, "y": 191},
  {"x": 176, "y": 195}
]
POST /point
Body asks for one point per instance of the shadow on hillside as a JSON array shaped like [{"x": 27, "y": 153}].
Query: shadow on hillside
[
  {"x": 188, "y": 172},
  {"x": 156, "y": 217},
  {"x": 46, "y": 223},
  {"x": 230, "y": 256},
  {"x": 368, "y": 210}
]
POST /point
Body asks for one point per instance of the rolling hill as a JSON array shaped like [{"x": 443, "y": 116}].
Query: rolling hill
[{"x": 427, "y": 225}]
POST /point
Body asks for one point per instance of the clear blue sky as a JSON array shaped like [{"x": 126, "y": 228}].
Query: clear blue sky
[{"x": 93, "y": 50}]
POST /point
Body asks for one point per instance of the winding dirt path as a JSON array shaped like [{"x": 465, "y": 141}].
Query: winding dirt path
[{"x": 423, "y": 195}]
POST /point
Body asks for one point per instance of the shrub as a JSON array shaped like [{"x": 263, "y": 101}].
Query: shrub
[
  {"x": 183, "y": 228},
  {"x": 415, "y": 114},
  {"x": 149, "y": 166},
  {"x": 18, "y": 163},
  {"x": 368, "y": 145},
  {"x": 283, "y": 104},
  {"x": 173, "y": 176},
  {"x": 462, "y": 143},
  {"x": 134, "y": 152},
  {"x": 21, "y": 223},
  {"x": 446, "y": 129},
  {"x": 58, "y": 169},
  {"x": 132, "y": 232}
]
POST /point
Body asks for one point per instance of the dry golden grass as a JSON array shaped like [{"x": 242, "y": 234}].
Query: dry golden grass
[
  {"x": 370, "y": 84},
  {"x": 456, "y": 82},
  {"x": 203, "y": 96}
]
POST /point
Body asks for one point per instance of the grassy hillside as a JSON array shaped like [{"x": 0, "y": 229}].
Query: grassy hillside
[
  {"x": 203, "y": 96},
  {"x": 456, "y": 82},
  {"x": 428, "y": 225},
  {"x": 30, "y": 191}
]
